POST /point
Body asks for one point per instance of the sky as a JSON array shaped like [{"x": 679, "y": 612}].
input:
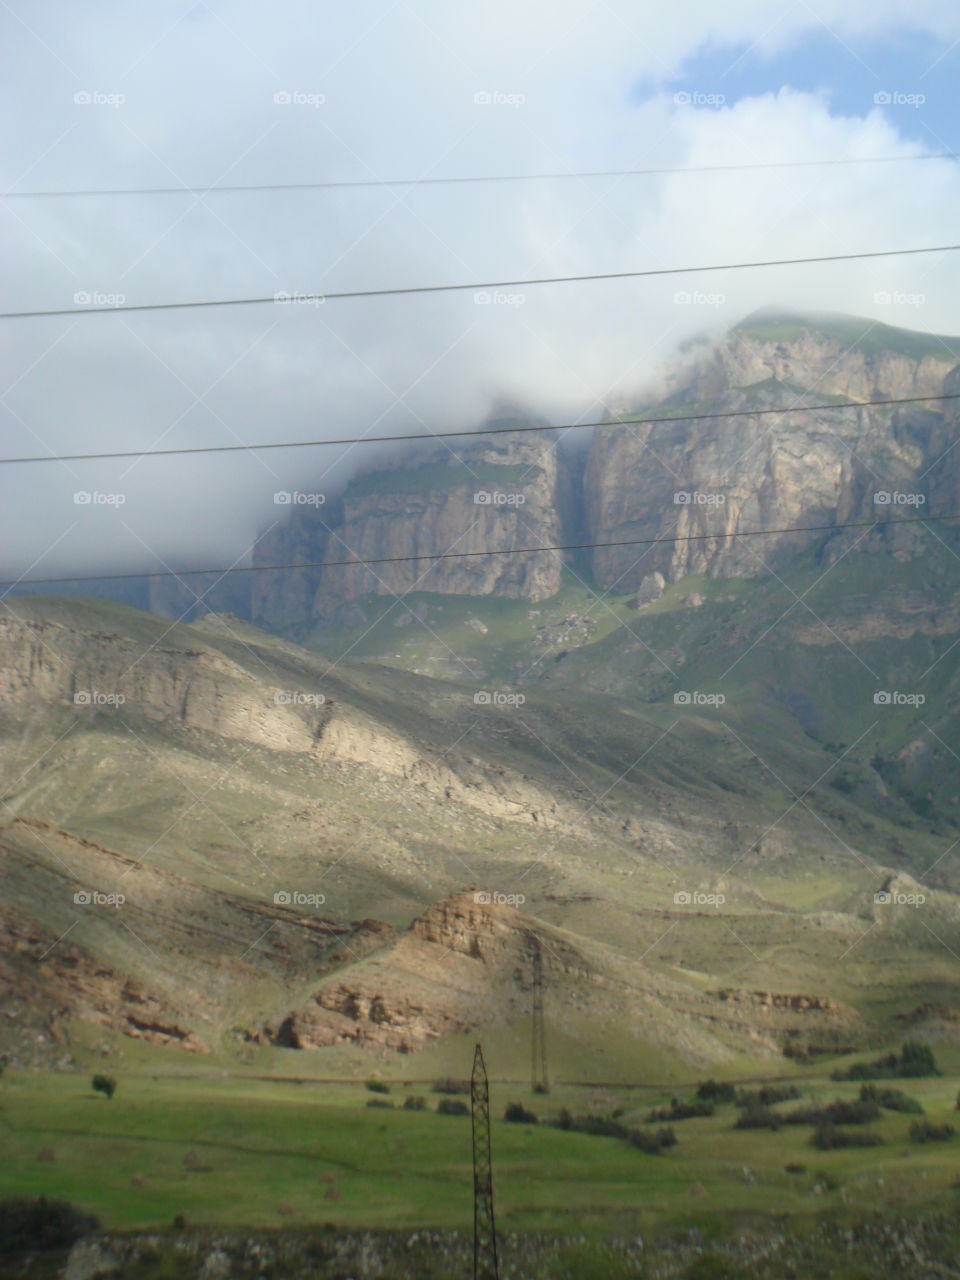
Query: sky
[{"x": 176, "y": 94}]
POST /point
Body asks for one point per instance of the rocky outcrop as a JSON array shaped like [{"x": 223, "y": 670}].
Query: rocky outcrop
[
  {"x": 693, "y": 483},
  {"x": 487, "y": 497}
]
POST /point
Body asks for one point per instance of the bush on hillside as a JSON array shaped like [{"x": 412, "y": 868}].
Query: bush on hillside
[
  {"x": 104, "y": 1084},
  {"x": 827, "y": 1137},
  {"x": 452, "y": 1107},
  {"x": 716, "y": 1091},
  {"x": 891, "y": 1099},
  {"x": 915, "y": 1061},
  {"x": 925, "y": 1131},
  {"x": 517, "y": 1113},
  {"x": 448, "y": 1085}
]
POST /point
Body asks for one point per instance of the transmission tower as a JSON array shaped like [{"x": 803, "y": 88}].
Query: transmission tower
[
  {"x": 538, "y": 1068},
  {"x": 485, "y": 1265}
]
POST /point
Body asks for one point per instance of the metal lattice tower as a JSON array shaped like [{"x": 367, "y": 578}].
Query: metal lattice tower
[
  {"x": 485, "y": 1264},
  {"x": 538, "y": 1066}
]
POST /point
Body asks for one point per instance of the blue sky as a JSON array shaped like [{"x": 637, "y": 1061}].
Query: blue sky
[{"x": 848, "y": 73}]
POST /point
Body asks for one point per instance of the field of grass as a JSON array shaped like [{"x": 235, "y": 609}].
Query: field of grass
[{"x": 245, "y": 1153}]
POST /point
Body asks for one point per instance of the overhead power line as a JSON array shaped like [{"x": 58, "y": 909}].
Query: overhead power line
[
  {"x": 286, "y": 298},
  {"x": 473, "y": 179},
  {"x": 224, "y": 570},
  {"x": 472, "y": 433}
]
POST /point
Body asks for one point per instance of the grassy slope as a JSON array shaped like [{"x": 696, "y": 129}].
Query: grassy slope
[{"x": 259, "y": 1145}]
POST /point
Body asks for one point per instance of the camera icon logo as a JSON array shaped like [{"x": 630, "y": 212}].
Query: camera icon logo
[
  {"x": 882, "y": 98},
  {"x": 482, "y": 698},
  {"x": 681, "y": 898},
  {"x": 682, "y": 498},
  {"x": 882, "y": 698},
  {"x": 281, "y": 98},
  {"x": 83, "y": 897},
  {"x": 482, "y": 98},
  {"x": 283, "y": 498},
  {"x": 883, "y": 897},
  {"x": 482, "y": 498},
  {"x": 881, "y": 498},
  {"x": 282, "y": 898},
  {"x": 81, "y": 698},
  {"x": 83, "y": 98},
  {"x": 682, "y": 698},
  {"x": 482, "y": 899},
  {"x": 682, "y": 99}
]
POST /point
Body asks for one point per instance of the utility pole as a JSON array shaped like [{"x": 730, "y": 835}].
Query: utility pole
[
  {"x": 538, "y": 1072},
  {"x": 485, "y": 1264}
]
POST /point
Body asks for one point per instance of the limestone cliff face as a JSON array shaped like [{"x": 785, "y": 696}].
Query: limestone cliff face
[
  {"x": 499, "y": 497},
  {"x": 689, "y": 483},
  {"x": 707, "y": 478}
]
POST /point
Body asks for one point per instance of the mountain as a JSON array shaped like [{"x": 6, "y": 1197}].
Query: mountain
[
  {"x": 692, "y": 478},
  {"x": 217, "y": 843}
]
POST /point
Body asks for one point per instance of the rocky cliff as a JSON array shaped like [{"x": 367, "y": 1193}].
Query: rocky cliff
[
  {"x": 702, "y": 479},
  {"x": 495, "y": 496},
  {"x": 696, "y": 478}
]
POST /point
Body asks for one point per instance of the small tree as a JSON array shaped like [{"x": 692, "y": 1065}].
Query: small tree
[{"x": 105, "y": 1085}]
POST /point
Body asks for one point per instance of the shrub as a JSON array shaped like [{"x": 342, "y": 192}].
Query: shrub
[
  {"x": 716, "y": 1091},
  {"x": 105, "y": 1085},
  {"x": 414, "y": 1103},
  {"x": 768, "y": 1095},
  {"x": 757, "y": 1116},
  {"x": 858, "y": 1111},
  {"x": 28, "y": 1224},
  {"x": 652, "y": 1143},
  {"x": 384, "y": 1104},
  {"x": 517, "y": 1113},
  {"x": 377, "y": 1086},
  {"x": 891, "y": 1099},
  {"x": 915, "y": 1061},
  {"x": 829, "y": 1138},
  {"x": 452, "y": 1107},
  {"x": 449, "y": 1085},
  {"x": 924, "y": 1131},
  {"x": 795, "y": 1167},
  {"x": 682, "y": 1109}
]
